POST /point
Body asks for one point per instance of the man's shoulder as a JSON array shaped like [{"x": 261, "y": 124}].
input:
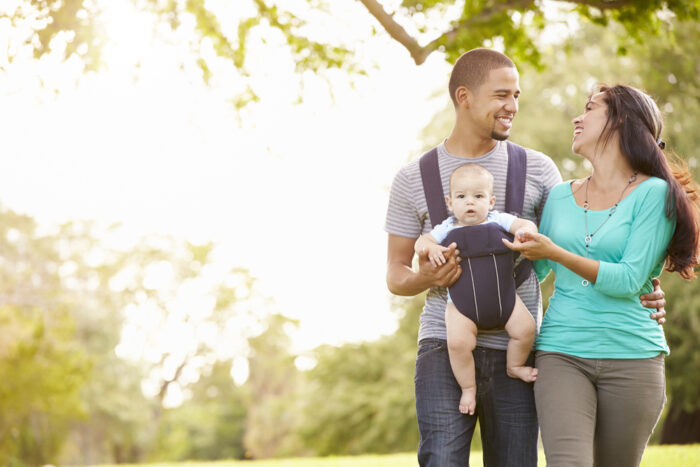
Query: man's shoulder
[
  {"x": 541, "y": 169},
  {"x": 537, "y": 157},
  {"x": 413, "y": 165},
  {"x": 409, "y": 171}
]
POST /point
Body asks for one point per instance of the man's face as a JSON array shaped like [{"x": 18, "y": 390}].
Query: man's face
[
  {"x": 494, "y": 104},
  {"x": 470, "y": 199}
]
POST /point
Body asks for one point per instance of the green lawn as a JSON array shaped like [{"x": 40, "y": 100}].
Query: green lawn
[{"x": 655, "y": 456}]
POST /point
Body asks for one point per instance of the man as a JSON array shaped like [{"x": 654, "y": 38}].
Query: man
[{"x": 484, "y": 89}]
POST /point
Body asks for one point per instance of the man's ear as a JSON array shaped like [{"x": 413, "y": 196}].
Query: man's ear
[{"x": 463, "y": 96}]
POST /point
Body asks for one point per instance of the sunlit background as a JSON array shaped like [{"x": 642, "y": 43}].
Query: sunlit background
[{"x": 293, "y": 192}]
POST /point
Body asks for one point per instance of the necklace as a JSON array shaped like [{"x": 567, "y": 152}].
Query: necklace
[{"x": 589, "y": 236}]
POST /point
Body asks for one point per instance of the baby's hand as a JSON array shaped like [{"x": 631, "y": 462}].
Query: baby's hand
[
  {"x": 520, "y": 235},
  {"x": 436, "y": 256}
]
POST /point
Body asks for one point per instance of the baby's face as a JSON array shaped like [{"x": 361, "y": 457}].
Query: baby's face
[{"x": 471, "y": 199}]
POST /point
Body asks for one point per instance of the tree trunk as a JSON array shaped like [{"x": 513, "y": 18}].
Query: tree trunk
[{"x": 681, "y": 427}]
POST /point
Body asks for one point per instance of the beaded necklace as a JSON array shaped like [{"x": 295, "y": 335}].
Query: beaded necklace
[{"x": 589, "y": 236}]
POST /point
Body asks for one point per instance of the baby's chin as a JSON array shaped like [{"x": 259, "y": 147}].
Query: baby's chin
[{"x": 471, "y": 220}]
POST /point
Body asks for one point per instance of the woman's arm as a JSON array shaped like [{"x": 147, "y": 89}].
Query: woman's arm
[
  {"x": 645, "y": 247},
  {"x": 536, "y": 246},
  {"x": 650, "y": 234}
]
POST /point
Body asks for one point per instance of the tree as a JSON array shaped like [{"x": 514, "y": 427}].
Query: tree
[
  {"x": 515, "y": 22},
  {"x": 448, "y": 26},
  {"x": 70, "y": 342},
  {"x": 682, "y": 422},
  {"x": 359, "y": 397},
  {"x": 115, "y": 411},
  {"x": 42, "y": 367},
  {"x": 274, "y": 384},
  {"x": 210, "y": 425}
]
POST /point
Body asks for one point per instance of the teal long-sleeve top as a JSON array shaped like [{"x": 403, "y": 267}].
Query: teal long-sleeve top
[{"x": 606, "y": 319}]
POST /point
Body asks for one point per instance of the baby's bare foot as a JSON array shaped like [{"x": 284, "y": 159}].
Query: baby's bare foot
[
  {"x": 526, "y": 373},
  {"x": 467, "y": 403}
]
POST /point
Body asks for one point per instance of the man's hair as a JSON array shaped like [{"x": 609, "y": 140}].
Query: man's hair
[
  {"x": 473, "y": 67},
  {"x": 470, "y": 170}
]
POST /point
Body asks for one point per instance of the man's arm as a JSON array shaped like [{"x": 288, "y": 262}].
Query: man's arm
[
  {"x": 403, "y": 280},
  {"x": 655, "y": 300}
]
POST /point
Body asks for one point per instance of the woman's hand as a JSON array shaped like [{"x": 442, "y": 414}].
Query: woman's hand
[{"x": 533, "y": 245}]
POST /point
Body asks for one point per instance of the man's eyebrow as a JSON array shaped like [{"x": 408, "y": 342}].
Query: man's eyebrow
[{"x": 506, "y": 91}]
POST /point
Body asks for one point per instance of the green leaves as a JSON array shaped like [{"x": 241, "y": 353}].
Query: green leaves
[
  {"x": 367, "y": 393},
  {"x": 78, "y": 24}
]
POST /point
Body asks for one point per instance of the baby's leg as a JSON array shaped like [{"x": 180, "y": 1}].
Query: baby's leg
[
  {"x": 521, "y": 329},
  {"x": 461, "y": 340}
]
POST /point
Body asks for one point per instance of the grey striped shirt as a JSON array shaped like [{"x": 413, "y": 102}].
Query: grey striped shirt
[{"x": 407, "y": 216}]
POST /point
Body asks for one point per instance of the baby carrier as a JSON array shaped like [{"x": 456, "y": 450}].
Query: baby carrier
[{"x": 485, "y": 291}]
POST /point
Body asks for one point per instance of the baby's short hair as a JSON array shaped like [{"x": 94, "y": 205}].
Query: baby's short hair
[{"x": 471, "y": 169}]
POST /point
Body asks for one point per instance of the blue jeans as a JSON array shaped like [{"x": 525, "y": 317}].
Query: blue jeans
[{"x": 505, "y": 408}]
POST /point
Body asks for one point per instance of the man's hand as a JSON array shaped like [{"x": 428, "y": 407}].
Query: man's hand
[
  {"x": 436, "y": 254},
  {"x": 401, "y": 277},
  {"x": 656, "y": 300},
  {"x": 443, "y": 275}
]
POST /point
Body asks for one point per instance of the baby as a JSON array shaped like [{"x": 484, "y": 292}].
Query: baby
[{"x": 471, "y": 201}]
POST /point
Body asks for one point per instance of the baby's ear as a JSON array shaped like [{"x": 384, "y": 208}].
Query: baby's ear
[{"x": 493, "y": 202}]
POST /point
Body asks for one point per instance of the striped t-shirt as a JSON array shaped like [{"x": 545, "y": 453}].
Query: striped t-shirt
[{"x": 407, "y": 216}]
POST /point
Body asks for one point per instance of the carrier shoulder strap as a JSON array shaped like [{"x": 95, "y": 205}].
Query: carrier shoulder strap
[
  {"x": 515, "y": 199},
  {"x": 515, "y": 192},
  {"x": 432, "y": 186},
  {"x": 515, "y": 179}
]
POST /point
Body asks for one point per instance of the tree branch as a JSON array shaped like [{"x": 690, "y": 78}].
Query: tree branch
[
  {"x": 396, "y": 31},
  {"x": 420, "y": 53},
  {"x": 603, "y": 5},
  {"x": 164, "y": 385},
  {"x": 485, "y": 15}
]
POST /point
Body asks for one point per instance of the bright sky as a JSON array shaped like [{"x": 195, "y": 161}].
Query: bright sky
[{"x": 295, "y": 193}]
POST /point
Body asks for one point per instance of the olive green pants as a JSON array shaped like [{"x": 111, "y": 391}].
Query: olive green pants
[{"x": 597, "y": 412}]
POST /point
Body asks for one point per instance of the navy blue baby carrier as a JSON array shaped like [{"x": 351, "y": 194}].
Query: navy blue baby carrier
[{"x": 485, "y": 291}]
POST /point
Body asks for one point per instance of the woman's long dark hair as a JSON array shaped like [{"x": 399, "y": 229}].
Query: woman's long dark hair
[{"x": 637, "y": 121}]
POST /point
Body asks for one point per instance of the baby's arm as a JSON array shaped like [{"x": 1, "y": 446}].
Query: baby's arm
[
  {"x": 519, "y": 226},
  {"x": 433, "y": 249}
]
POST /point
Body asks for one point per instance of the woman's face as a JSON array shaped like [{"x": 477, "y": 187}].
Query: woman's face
[{"x": 589, "y": 126}]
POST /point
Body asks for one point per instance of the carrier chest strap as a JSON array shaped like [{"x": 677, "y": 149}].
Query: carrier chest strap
[{"x": 515, "y": 193}]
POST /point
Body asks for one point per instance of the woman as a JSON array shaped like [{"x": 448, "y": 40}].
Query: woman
[{"x": 601, "y": 384}]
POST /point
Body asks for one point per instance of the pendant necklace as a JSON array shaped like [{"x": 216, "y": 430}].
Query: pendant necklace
[{"x": 589, "y": 236}]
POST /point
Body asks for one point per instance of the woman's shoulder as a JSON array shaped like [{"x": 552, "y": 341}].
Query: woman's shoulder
[
  {"x": 561, "y": 189},
  {"x": 653, "y": 186},
  {"x": 656, "y": 183},
  {"x": 650, "y": 193}
]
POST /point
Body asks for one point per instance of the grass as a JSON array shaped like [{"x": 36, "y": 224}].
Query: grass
[{"x": 654, "y": 456}]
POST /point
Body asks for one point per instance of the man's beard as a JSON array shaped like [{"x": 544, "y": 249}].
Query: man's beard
[{"x": 499, "y": 136}]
